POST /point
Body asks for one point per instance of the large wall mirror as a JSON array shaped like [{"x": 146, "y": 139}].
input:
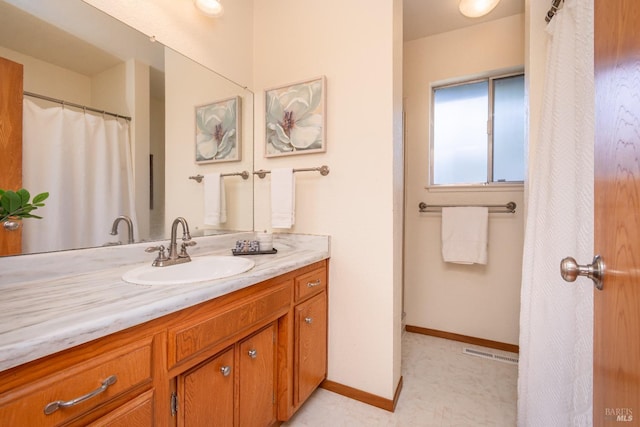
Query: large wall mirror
[{"x": 99, "y": 166}]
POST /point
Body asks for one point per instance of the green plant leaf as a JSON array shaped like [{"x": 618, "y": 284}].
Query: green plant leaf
[
  {"x": 16, "y": 204},
  {"x": 37, "y": 200},
  {"x": 24, "y": 196},
  {"x": 11, "y": 201}
]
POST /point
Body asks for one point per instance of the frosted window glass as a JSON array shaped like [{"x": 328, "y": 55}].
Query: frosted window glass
[
  {"x": 508, "y": 129},
  {"x": 460, "y": 134}
]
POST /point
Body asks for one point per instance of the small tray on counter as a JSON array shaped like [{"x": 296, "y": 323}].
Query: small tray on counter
[{"x": 272, "y": 251}]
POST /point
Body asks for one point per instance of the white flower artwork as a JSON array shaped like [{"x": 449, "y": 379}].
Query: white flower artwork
[
  {"x": 295, "y": 118},
  {"x": 218, "y": 131}
]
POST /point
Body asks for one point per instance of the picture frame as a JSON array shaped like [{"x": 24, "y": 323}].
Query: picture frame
[
  {"x": 295, "y": 118},
  {"x": 218, "y": 131}
]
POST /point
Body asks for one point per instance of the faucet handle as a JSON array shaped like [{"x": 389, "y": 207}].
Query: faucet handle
[
  {"x": 183, "y": 250},
  {"x": 162, "y": 256},
  {"x": 154, "y": 249}
]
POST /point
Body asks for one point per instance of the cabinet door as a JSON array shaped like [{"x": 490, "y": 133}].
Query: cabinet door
[
  {"x": 135, "y": 413},
  {"x": 207, "y": 392},
  {"x": 256, "y": 367},
  {"x": 310, "y": 346}
]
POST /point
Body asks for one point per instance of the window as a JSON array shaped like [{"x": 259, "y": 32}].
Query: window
[{"x": 478, "y": 132}]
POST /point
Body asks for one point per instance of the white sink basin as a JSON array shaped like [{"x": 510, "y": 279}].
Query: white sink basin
[{"x": 200, "y": 269}]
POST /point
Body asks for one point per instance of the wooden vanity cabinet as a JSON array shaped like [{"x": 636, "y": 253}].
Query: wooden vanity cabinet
[{"x": 245, "y": 359}]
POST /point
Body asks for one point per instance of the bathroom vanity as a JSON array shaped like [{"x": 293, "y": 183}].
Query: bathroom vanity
[{"x": 243, "y": 351}]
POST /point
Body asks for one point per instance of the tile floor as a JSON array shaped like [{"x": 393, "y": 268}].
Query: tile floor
[{"x": 442, "y": 387}]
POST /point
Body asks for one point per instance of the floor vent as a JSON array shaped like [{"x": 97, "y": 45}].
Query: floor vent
[{"x": 492, "y": 356}]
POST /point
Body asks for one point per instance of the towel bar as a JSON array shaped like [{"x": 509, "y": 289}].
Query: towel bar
[
  {"x": 507, "y": 208},
  {"x": 324, "y": 171},
  {"x": 243, "y": 174}
]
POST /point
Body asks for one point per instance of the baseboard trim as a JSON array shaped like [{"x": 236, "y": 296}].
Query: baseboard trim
[
  {"x": 363, "y": 396},
  {"x": 464, "y": 338}
]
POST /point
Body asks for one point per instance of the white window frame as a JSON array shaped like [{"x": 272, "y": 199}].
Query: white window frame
[{"x": 508, "y": 185}]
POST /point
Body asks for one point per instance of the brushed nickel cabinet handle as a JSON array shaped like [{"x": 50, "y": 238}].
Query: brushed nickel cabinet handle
[
  {"x": 253, "y": 353},
  {"x": 309, "y": 320},
  {"x": 225, "y": 370},
  {"x": 314, "y": 284},
  {"x": 54, "y": 406}
]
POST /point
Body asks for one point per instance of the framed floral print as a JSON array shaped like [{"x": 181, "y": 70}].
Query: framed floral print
[
  {"x": 295, "y": 118},
  {"x": 218, "y": 131}
]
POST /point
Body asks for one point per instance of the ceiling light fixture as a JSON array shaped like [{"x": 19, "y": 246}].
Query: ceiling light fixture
[
  {"x": 210, "y": 7},
  {"x": 477, "y": 8}
]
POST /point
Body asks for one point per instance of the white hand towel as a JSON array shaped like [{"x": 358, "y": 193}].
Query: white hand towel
[
  {"x": 283, "y": 200},
  {"x": 464, "y": 235},
  {"x": 215, "y": 204}
]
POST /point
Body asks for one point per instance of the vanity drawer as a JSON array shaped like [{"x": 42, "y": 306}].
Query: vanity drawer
[
  {"x": 310, "y": 283},
  {"x": 130, "y": 365},
  {"x": 212, "y": 328}
]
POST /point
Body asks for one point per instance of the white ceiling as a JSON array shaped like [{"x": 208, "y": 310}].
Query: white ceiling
[
  {"x": 424, "y": 18},
  {"x": 22, "y": 32},
  {"x": 71, "y": 34}
]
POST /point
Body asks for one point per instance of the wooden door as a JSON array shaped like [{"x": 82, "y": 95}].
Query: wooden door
[
  {"x": 256, "y": 383},
  {"x": 310, "y": 347},
  {"x": 11, "y": 78},
  {"x": 617, "y": 213},
  {"x": 206, "y": 393}
]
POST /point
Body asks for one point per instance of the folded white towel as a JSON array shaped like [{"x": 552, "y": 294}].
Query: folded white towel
[
  {"x": 464, "y": 235},
  {"x": 283, "y": 200},
  {"x": 215, "y": 204}
]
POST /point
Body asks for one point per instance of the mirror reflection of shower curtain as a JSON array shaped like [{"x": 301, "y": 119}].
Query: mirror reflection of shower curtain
[{"x": 84, "y": 161}]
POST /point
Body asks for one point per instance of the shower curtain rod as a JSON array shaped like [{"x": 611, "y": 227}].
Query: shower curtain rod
[
  {"x": 72, "y": 104},
  {"x": 554, "y": 8}
]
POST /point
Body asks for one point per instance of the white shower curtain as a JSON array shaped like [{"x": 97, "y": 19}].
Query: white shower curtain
[
  {"x": 556, "y": 321},
  {"x": 84, "y": 161}
]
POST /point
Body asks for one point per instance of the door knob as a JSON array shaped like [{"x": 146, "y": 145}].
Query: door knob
[
  {"x": 11, "y": 225},
  {"x": 570, "y": 270}
]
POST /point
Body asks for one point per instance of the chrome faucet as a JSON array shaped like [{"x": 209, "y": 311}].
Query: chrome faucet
[
  {"x": 114, "y": 227},
  {"x": 174, "y": 257}
]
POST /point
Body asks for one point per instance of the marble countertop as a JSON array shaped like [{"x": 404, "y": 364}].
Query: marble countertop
[{"x": 51, "y": 302}]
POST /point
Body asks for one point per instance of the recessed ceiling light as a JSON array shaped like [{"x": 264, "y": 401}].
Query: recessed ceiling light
[
  {"x": 477, "y": 8},
  {"x": 210, "y": 7}
]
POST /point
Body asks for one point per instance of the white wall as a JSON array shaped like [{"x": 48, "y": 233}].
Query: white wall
[
  {"x": 477, "y": 301},
  {"x": 157, "y": 146},
  {"x": 138, "y": 100},
  {"x": 354, "y": 204},
  {"x": 51, "y": 80},
  {"x": 109, "y": 88}
]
